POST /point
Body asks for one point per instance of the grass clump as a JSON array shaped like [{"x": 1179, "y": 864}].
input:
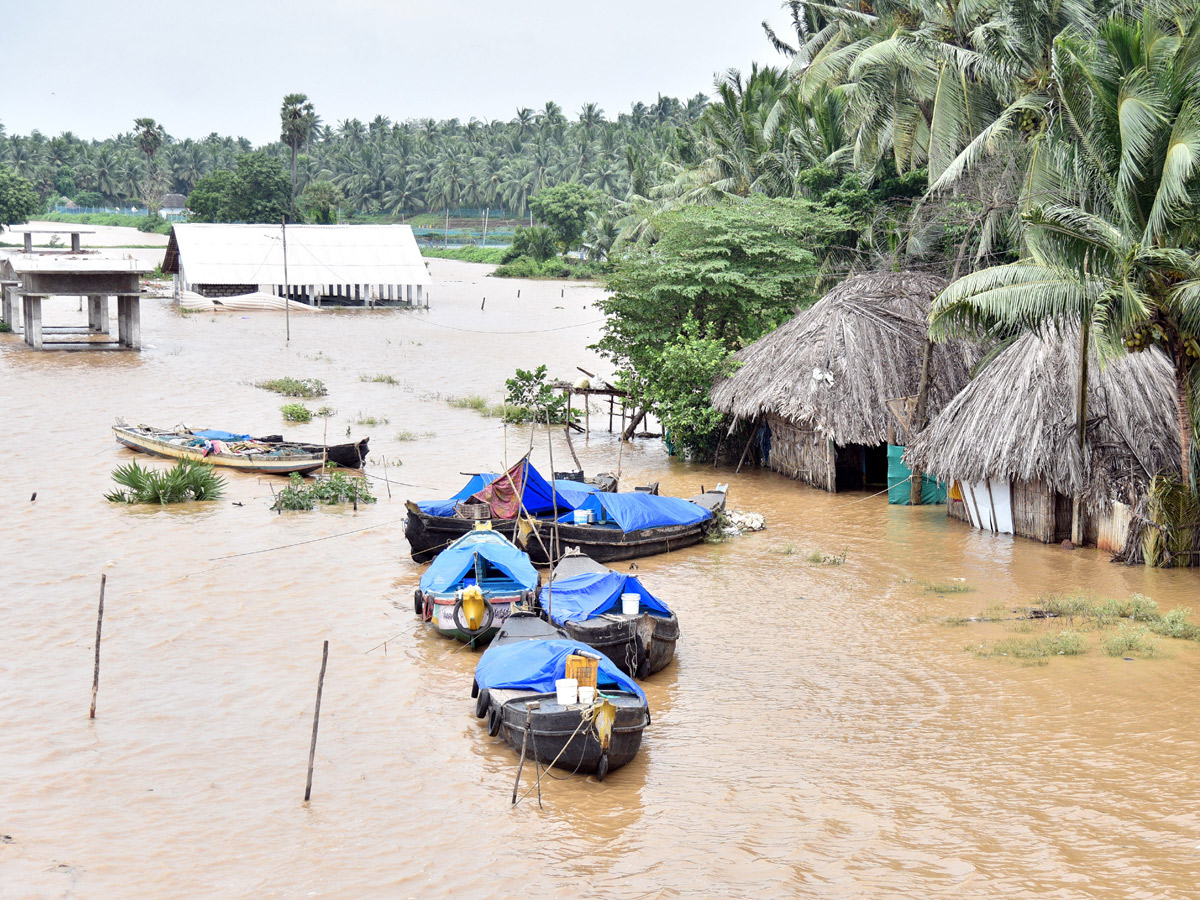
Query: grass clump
[
  {"x": 471, "y": 401},
  {"x": 325, "y": 412},
  {"x": 1065, "y": 643},
  {"x": 491, "y": 255},
  {"x": 817, "y": 558},
  {"x": 325, "y": 490},
  {"x": 295, "y": 387},
  {"x": 381, "y": 378},
  {"x": 414, "y": 436},
  {"x": 1175, "y": 624},
  {"x": 370, "y": 421},
  {"x": 1131, "y": 642},
  {"x": 947, "y": 587},
  {"x": 295, "y": 412},
  {"x": 186, "y": 480}
]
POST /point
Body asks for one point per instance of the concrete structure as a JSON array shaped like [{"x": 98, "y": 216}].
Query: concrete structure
[
  {"x": 72, "y": 230},
  {"x": 27, "y": 278},
  {"x": 351, "y": 264}
]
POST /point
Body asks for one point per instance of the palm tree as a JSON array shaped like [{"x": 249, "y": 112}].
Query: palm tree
[
  {"x": 149, "y": 139},
  {"x": 297, "y": 119},
  {"x": 1111, "y": 224}
]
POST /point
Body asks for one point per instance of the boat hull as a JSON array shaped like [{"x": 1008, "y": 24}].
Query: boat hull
[
  {"x": 638, "y": 645},
  {"x": 606, "y": 545},
  {"x": 438, "y": 610},
  {"x": 429, "y": 535},
  {"x": 559, "y": 738},
  {"x": 144, "y": 442}
]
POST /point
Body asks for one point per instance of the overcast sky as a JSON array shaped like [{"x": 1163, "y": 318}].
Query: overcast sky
[{"x": 93, "y": 66}]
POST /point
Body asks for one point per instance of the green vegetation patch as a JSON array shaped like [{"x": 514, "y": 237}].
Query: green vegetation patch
[
  {"x": 186, "y": 480},
  {"x": 295, "y": 412},
  {"x": 1131, "y": 642},
  {"x": 370, "y": 421},
  {"x": 294, "y": 387},
  {"x": 379, "y": 378},
  {"x": 324, "y": 490},
  {"x": 1037, "y": 648},
  {"x": 489, "y": 255}
]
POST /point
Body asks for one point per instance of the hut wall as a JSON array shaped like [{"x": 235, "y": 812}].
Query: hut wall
[
  {"x": 1033, "y": 510},
  {"x": 957, "y": 509},
  {"x": 800, "y": 452},
  {"x": 1108, "y": 526}
]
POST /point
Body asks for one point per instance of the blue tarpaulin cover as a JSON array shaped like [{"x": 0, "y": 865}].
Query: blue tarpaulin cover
[
  {"x": 588, "y": 595},
  {"x": 458, "y": 561},
  {"x": 535, "y": 665},
  {"x": 635, "y": 511},
  {"x": 535, "y": 497},
  {"x": 221, "y": 435}
]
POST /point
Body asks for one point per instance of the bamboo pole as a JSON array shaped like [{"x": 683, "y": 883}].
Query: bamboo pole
[
  {"x": 312, "y": 750},
  {"x": 529, "y": 708},
  {"x": 96, "y": 669}
]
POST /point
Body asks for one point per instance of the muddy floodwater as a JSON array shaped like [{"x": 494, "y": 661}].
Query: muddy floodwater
[{"x": 823, "y": 732}]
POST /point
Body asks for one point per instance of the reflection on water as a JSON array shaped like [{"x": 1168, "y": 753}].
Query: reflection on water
[{"x": 820, "y": 734}]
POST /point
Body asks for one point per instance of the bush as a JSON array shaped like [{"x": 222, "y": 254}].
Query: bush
[
  {"x": 326, "y": 490},
  {"x": 1131, "y": 642},
  {"x": 154, "y": 225},
  {"x": 491, "y": 255},
  {"x": 295, "y": 387},
  {"x": 531, "y": 398},
  {"x": 186, "y": 480},
  {"x": 295, "y": 412}
]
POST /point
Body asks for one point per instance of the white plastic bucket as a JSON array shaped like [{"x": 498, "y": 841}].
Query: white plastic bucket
[
  {"x": 568, "y": 691},
  {"x": 587, "y": 695},
  {"x": 630, "y": 604},
  {"x": 581, "y": 517}
]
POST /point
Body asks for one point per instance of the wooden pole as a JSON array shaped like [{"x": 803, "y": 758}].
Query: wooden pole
[
  {"x": 556, "y": 547},
  {"x": 387, "y": 480},
  {"x": 287, "y": 308},
  {"x": 753, "y": 432},
  {"x": 529, "y": 708},
  {"x": 312, "y": 750},
  {"x": 96, "y": 670}
]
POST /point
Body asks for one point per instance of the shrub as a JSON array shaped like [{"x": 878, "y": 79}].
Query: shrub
[
  {"x": 531, "y": 398},
  {"x": 295, "y": 412},
  {"x": 1131, "y": 642},
  {"x": 186, "y": 480},
  {"x": 295, "y": 387},
  {"x": 1065, "y": 643},
  {"x": 327, "y": 490}
]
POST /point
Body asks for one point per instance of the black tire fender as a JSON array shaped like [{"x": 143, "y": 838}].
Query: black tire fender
[
  {"x": 602, "y": 766},
  {"x": 418, "y": 602},
  {"x": 482, "y": 703},
  {"x": 489, "y": 616},
  {"x": 495, "y": 717}
]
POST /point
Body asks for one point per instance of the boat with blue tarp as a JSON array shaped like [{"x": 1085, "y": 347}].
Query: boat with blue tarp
[
  {"x": 593, "y": 604},
  {"x": 472, "y": 587},
  {"x": 501, "y": 498},
  {"x": 234, "y": 450},
  {"x": 611, "y": 527},
  {"x": 515, "y": 690}
]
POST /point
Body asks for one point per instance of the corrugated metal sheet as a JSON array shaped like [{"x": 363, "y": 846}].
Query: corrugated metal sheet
[{"x": 316, "y": 254}]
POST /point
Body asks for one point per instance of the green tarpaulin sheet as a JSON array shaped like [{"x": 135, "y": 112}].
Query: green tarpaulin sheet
[{"x": 899, "y": 489}]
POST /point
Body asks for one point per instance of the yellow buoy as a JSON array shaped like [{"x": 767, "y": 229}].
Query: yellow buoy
[
  {"x": 604, "y": 717},
  {"x": 473, "y": 607}
]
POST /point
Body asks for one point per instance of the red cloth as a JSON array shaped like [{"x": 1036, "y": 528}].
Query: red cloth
[{"x": 504, "y": 494}]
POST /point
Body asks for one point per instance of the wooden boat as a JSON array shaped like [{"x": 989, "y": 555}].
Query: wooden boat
[
  {"x": 512, "y": 691},
  {"x": 433, "y": 525},
  {"x": 271, "y": 455},
  {"x": 584, "y": 599},
  {"x": 473, "y": 586},
  {"x": 626, "y": 526}
]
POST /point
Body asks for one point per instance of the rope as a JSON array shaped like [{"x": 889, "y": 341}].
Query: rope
[
  {"x": 489, "y": 332},
  {"x": 310, "y": 541}
]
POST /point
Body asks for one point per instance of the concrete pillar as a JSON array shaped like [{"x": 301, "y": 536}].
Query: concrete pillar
[
  {"x": 418, "y": 296},
  {"x": 33, "y": 322},
  {"x": 408, "y": 299},
  {"x": 28, "y": 242},
  {"x": 75, "y": 242},
  {"x": 129, "y": 321},
  {"x": 10, "y": 307}
]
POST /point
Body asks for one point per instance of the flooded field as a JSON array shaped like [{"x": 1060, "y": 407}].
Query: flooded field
[{"x": 823, "y": 732}]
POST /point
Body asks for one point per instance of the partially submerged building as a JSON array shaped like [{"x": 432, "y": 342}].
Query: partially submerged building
[
  {"x": 1010, "y": 447},
  {"x": 361, "y": 265},
  {"x": 820, "y": 385}
]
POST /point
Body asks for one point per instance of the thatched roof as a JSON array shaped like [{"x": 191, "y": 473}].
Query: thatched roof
[
  {"x": 174, "y": 201},
  {"x": 1016, "y": 421},
  {"x": 836, "y": 364}
]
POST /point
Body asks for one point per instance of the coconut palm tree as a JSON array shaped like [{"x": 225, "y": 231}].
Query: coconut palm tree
[{"x": 1111, "y": 225}]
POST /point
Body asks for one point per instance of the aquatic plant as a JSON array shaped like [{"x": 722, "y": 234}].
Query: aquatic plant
[
  {"x": 325, "y": 412},
  {"x": 295, "y": 387},
  {"x": 817, "y": 558},
  {"x": 947, "y": 587},
  {"x": 414, "y": 436},
  {"x": 296, "y": 412},
  {"x": 326, "y": 490},
  {"x": 381, "y": 378},
  {"x": 186, "y": 480},
  {"x": 1131, "y": 642},
  {"x": 1065, "y": 643},
  {"x": 370, "y": 421}
]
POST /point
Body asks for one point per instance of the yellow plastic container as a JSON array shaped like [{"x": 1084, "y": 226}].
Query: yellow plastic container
[{"x": 583, "y": 669}]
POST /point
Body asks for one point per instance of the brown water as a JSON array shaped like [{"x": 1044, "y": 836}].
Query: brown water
[{"x": 822, "y": 734}]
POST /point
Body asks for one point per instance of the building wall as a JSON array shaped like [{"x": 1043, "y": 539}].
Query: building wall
[
  {"x": 799, "y": 452},
  {"x": 1033, "y": 511},
  {"x": 224, "y": 290}
]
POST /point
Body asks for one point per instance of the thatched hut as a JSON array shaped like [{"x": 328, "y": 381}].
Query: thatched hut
[
  {"x": 821, "y": 382},
  {"x": 1010, "y": 445}
]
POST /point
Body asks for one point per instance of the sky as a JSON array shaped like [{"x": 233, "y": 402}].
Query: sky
[{"x": 93, "y": 66}]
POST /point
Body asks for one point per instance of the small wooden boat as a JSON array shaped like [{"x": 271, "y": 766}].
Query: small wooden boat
[
  {"x": 585, "y": 600},
  {"x": 432, "y": 525},
  {"x": 514, "y": 691},
  {"x": 271, "y": 455},
  {"x": 473, "y": 586},
  {"x": 625, "y": 526}
]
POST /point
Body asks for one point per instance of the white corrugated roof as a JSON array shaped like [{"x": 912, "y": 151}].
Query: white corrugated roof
[
  {"x": 316, "y": 254},
  {"x": 59, "y": 263}
]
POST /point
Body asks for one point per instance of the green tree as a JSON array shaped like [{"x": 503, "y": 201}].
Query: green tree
[
  {"x": 297, "y": 118},
  {"x": 18, "y": 198},
  {"x": 210, "y": 196},
  {"x": 150, "y": 137},
  {"x": 260, "y": 189},
  {"x": 320, "y": 201},
  {"x": 564, "y": 208}
]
